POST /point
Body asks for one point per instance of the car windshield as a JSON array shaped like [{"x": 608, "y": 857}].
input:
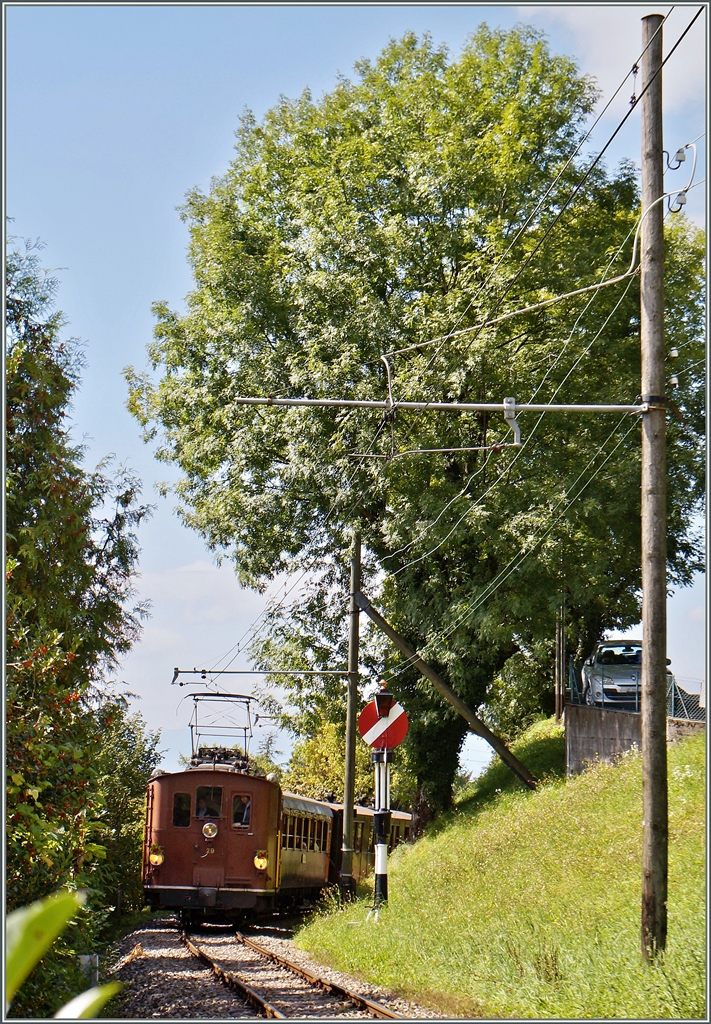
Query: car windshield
[{"x": 629, "y": 654}]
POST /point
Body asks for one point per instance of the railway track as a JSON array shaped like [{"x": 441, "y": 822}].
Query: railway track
[{"x": 275, "y": 986}]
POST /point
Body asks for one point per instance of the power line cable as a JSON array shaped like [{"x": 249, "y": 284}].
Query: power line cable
[
  {"x": 581, "y": 183},
  {"x": 540, "y": 418},
  {"x": 521, "y": 556},
  {"x": 271, "y": 607},
  {"x": 555, "y": 181},
  {"x": 547, "y": 374}
]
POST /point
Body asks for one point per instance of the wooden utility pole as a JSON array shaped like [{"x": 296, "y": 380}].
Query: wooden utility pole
[
  {"x": 346, "y": 880},
  {"x": 654, "y": 582},
  {"x": 475, "y": 724}
]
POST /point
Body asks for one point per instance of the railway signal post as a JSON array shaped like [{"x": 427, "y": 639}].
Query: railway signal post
[{"x": 383, "y": 725}]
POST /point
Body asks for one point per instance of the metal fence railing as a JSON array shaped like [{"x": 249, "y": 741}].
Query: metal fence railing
[{"x": 682, "y": 703}]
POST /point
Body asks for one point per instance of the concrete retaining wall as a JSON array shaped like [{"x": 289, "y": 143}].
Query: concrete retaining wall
[
  {"x": 678, "y": 728},
  {"x": 592, "y": 734}
]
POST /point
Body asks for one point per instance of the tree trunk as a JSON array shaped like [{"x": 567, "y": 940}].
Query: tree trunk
[{"x": 422, "y": 813}]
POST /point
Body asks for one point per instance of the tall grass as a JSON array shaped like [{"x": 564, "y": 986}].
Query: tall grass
[{"x": 528, "y": 904}]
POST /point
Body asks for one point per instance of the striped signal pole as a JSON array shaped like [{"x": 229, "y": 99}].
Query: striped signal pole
[
  {"x": 381, "y": 824},
  {"x": 382, "y": 725}
]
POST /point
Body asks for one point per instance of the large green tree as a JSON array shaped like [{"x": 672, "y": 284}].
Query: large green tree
[
  {"x": 425, "y": 197},
  {"x": 71, "y": 560}
]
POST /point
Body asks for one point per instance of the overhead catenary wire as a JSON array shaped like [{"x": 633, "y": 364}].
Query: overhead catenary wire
[
  {"x": 531, "y": 433},
  {"x": 535, "y": 427},
  {"x": 270, "y": 608},
  {"x": 522, "y": 555},
  {"x": 544, "y": 303},
  {"x": 690, "y": 185}
]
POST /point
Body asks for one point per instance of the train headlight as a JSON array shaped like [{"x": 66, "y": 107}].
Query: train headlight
[
  {"x": 156, "y": 856},
  {"x": 209, "y": 829},
  {"x": 261, "y": 860}
]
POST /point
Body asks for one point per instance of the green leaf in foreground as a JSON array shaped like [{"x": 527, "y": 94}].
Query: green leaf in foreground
[
  {"x": 87, "y": 1004},
  {"x": 31, "y": 931}
]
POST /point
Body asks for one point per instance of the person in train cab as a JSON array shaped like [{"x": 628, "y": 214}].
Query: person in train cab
[
  {"x": 240, "y": 810},
  {"x": 203, "y": 810}
]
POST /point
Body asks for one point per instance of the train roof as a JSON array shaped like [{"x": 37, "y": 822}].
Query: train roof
[
  {"x": 209, "y": 767},
  {"x": 306, "y": 805},
  {"x": 370, "y": 811}
]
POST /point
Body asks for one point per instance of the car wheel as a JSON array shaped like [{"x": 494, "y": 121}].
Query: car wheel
[{"x": 589, "y": 699}]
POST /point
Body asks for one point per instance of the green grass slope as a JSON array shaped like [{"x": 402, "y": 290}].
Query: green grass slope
[{"x": 527, "y": 905}]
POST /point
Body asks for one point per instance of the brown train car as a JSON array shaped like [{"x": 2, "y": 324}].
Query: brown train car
[{"x": 211, "y": 842}]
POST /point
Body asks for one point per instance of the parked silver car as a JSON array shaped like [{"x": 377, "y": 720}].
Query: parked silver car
[{"x": 612, "y": 675}]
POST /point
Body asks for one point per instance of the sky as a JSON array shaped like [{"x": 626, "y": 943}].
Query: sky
[{"x": 113, "y": 112}]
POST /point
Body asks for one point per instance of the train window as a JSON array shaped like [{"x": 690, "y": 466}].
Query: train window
[
  {"x": 324, "y": 835},
  {"x": 241, "y": 810},
  {"x": 290, "y": 842},
  {"x": 208, "y": 802},
  {"x": 284, "y": 830},
  {"x": 312, "y": 834},
  {"x": 304, "y": 833},
  {"x": 181, "y": 810}
]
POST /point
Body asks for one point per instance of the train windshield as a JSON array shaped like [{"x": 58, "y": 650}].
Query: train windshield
[
  {"x": 241, "y": 808},
  {"x": 208, "y": 802},
  {"x": 181, "y": 810}
]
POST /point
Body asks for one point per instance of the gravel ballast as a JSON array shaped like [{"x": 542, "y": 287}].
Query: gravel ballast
[{"x": 163, "y": 979}]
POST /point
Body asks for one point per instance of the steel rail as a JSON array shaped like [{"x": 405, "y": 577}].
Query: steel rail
[
  {"x": 253, "y": 997},
  {"x": 376, "y": 1009},
  {"x": 353, "y": 403},
  {"x": 233, "y": 981}
]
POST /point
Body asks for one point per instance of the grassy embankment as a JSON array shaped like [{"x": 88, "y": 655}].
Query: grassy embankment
[{"x": 527, "y": 904}]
